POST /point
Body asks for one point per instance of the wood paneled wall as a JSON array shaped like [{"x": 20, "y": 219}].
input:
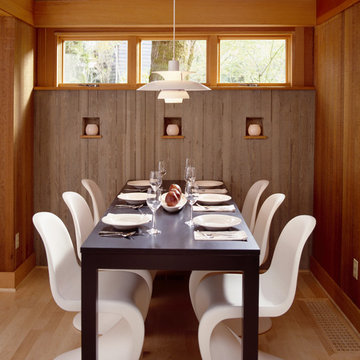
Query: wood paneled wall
[
  {"x": 214, "y": 125},
  {"x": 351, "y": 171},
  {"x": 326, "y": 9},
  {"x": 337, "y": 164},
  {"x": 24, "y": 66},
  {"x": 17, "y": 42},
  {"x": 21, "y": 9},
  {"x": 7, "y": 55},
  {"x": 49, "y": 13},
  {"x": 329, "y": 144}
]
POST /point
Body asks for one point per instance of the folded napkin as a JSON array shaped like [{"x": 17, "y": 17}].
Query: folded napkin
[
  {"x": 216, "y": 208},
  {"x": 212, "y": 191},
  {"x": 220, "y": 235}
]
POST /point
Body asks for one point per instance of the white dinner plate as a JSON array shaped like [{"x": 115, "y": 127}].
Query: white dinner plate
[
  {"x": 126, "y": 221},
  {"x": 208, "y": 183},
  {"x": 133, "y": 198},
  {"x": 216, "y": 222},
  {"x": 140, "y": 184},
  {"x": 213, "y": 199},
  {"x": 175, "y": 208}
]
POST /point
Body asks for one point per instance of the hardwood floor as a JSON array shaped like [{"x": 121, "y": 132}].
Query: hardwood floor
[{"x": 33, "y": 327}]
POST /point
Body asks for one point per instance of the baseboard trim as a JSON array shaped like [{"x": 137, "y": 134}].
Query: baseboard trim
[
  {"x": 11, "y": 279},
  {"x": 346, "y": 305}
]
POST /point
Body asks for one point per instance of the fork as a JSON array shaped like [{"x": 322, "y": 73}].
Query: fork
[
  {"x": 129, "y": 206},
  {"x": 135, "y": 190},
  {"x": 117, "y": 233}
]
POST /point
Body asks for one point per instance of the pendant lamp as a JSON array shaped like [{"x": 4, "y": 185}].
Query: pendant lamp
[{"x": 174, "y": 87}]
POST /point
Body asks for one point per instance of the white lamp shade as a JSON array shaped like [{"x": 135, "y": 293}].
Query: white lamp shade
[
  {"x": 173, "y": 101},
  {"x": 173, "y": 94}
]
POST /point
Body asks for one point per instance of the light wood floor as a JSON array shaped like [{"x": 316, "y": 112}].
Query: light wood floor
[{"x": 33, "y": 327}]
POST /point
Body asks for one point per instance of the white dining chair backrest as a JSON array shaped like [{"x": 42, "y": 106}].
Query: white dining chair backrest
[
  {"x": 251, "y": 202},
  {"x": 278, "y": 284},
  {"x": 263, "y": 223},
  {"x": 261, "y": 235},
  {"x": 64, "y": 271},
  {"x": 97, "y": 198},
  {"x": 82, "y": 217}
]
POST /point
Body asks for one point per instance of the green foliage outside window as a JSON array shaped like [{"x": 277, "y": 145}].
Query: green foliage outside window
[
  {"x": 253, "y": 61},
  {"x": 90, "y": 62},
  {"x": 241, "y": 60}
]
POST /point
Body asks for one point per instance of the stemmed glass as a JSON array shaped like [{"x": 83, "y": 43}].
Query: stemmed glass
[
  {"x": 192, "y": 195},
  {"x": 155, "y": 179},
  {"x": 190, "y": 174},
  {"x": 153, "y": 201},
  {"x": 162, "y": 168},
  {"x": 188, "y": 163}
]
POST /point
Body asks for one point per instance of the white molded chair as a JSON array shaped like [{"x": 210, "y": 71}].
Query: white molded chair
[
  {"x": 219, "y": 297},
  {"x": 251, "y": 202},
  {"x": 225, "y": 344},
  {"x": 123, "y": 297},
  {"x": 83, "y": 224},
  {"x": 81, "y": 215},
  {"x": 261, "y": 235},
  {"x": 97, "y": 198}
]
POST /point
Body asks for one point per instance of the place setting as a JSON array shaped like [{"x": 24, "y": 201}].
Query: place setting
[
  {"x": 214, "y": 202},
  {"x": 218, "y": 227},
  {"x": 150, "y": 196},
  {"x": 137, "y": 194}
]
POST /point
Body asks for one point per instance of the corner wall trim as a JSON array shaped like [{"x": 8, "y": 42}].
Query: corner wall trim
[
  {"x": 10, "y": 280},
  {"x": 351, "y": 311}
]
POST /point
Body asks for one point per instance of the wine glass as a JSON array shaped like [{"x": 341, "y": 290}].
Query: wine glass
[
  {"x": 155, "y": 179},
  {"x": 153, "y": 201},
  {"x": 188, "y": 163},
  {"x": 190, "y": 174},
  {"x": 192, "y": 195},
  {"x": 162, "y": 168}
]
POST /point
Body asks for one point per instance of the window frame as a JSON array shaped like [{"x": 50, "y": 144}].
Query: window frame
[{"x": 212, "y": 37}]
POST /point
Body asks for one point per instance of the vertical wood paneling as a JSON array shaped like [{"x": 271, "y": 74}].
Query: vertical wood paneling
[
  {"x": 351, "y": 173},
  {"x": 17, "y": 42},
  {"x": 23, "y": 138},
  {"x": 292, "y": 165},
  {"x": 336, "y": 193},
  {"x": 7, "y": 200},
  {"x": 213, "y": 123},
  {"x": 329, "y": 145}
]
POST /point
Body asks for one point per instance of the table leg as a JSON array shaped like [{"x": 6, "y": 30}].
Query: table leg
[
  {"x": 89, "y": 291},
  {"x": 251, "y": 311}
]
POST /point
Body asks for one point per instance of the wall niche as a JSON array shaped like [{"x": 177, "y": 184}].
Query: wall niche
[{"x": 172, "y": 128}]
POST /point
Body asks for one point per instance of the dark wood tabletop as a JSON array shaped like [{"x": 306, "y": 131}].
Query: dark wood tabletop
[{"x": 174, "y": 249}]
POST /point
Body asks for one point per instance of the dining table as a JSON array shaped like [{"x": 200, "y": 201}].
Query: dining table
[{"x": 175, "y": 248}]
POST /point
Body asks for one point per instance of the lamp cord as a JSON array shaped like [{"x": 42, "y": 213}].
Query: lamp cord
[{"x": 174, "y": 31}]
